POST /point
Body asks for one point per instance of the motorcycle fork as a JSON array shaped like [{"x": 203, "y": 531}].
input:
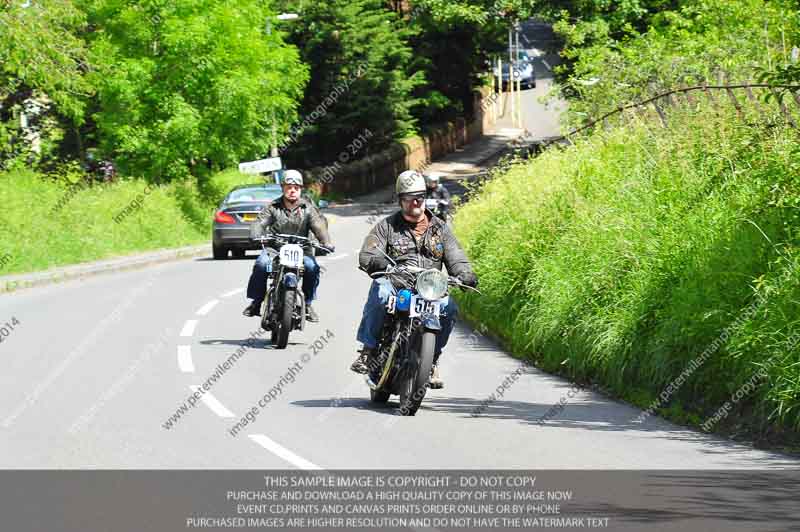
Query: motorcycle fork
[
  {"x": 396, "y": 339},
  {"x": 411, "y": 338},
  {"x": 275, "y": 292}
]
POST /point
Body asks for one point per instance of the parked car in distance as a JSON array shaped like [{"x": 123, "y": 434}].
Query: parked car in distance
[
  {"x": 238, "y": 210},
  {"x": 522, "y": 71}
]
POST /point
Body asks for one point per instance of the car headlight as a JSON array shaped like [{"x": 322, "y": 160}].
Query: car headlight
[{"x": 432, "y": 284}]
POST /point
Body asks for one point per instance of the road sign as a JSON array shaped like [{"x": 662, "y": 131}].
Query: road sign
[{"x": 261, "y": 166}]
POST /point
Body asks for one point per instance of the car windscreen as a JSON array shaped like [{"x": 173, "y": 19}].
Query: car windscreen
[{"x": 253, "y": 194}]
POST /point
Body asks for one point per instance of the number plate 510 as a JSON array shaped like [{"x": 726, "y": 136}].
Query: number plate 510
[
  {"x": 291, "y": 255},
  {"x": 421, "y": 306}
]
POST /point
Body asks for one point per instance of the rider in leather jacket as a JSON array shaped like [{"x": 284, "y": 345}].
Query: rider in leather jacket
[
  {"x": 293, "y": 215},
  {"x": 437, "y": 191},
  {"x": 415, "y": 235}
]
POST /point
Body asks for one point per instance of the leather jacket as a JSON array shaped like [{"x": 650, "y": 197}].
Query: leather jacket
[
  {"x": 276, "y": 218},
  {"x": 440, "y": 192},
  {"x": 438, "y": 246}
]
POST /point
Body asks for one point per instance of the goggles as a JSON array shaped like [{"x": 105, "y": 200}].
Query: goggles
[{"x": 412, "y": 197}]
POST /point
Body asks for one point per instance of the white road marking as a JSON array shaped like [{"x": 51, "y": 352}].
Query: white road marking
[
  {"x": 283, "y": 452},
  {"x": 337, "y": 257},
  {"x": 212, "y": 403},
  {"x": 205, "y": 309},
  {"x": 233, "y": 292},
  {"x": 185, "y": 358},
  {"x": 188, "y": 328}
]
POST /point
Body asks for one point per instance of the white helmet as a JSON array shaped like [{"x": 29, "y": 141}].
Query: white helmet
[
  {"x": 292, "y": 177},
  {"x": 410, "y": 182},
  {"x": 433, "y": 178}
]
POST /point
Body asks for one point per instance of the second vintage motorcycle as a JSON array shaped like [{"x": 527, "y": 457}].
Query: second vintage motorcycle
[{"x": 284, "y": 308}]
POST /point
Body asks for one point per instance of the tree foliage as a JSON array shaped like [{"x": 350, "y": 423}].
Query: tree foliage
[
  {"x": 40, "y": 50},
  {"x": 689, "y": 44},
  {"x": 361, "y": 78},
  {"x": 43, "y": 57},
  {"x": 189, "y": 84}
]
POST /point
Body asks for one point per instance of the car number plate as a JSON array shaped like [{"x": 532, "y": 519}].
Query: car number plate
[
  {"x": 249, "y": 217},
  {"x": 291, "y": 255},
  {"x": 420, "y": 306}
]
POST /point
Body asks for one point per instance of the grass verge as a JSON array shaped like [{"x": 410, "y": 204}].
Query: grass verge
[
  {"x": 49, "y": 222},
  {"x": 660, "y": 264}
]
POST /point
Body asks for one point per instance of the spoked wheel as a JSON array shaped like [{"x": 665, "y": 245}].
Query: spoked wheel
[
  {"x": 414, "y": 387},
  {"x": 286, "y": 322}
]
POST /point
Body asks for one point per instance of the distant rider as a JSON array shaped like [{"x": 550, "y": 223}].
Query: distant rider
[
  {"x": 437, "y": 191},
  {"x": 290, "y": 215},
  {"x": 411, "y": 235}
]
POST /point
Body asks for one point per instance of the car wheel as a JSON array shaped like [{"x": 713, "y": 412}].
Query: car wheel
[{"x": 219, "y": 252}]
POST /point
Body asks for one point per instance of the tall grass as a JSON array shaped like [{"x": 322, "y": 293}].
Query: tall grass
[
  {"x": 622, "y": 258},
  {"x": 46, "y": 223}
]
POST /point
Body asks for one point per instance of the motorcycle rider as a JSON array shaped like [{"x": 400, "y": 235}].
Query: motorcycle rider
[
  {"x": 411, "y": 235},
  {"x": 293, "y": 215},
  {"x": 437, "y": 191}
]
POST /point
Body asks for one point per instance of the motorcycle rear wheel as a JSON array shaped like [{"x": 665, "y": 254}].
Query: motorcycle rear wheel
[
  {"x": 413, "y": 390},
  {"x": 286, "y": 323}
]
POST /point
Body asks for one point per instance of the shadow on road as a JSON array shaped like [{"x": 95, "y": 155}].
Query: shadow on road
[
  {"x": 258, "y": 343},
  {"x": 715, "y": 500}
]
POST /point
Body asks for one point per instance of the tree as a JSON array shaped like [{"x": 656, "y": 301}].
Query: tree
[
  {"x": 453, "y": 44},
  {"x": 41, "y": 55},
  {"x": 361, "y": 78},
  {"x": 189, "y": 85}
]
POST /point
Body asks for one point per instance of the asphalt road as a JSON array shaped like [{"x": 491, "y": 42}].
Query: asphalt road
[
  {"x": 540, "y": 113},
  {"x": 93, "y": 370}
]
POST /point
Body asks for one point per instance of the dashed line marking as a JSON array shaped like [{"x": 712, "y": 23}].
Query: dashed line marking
[
  {"x": 205, "y": 309},
  {"x": 233, "y": 292},
  {"x": 185, "y": 358},
  {"x": 212, "y": 403},
  {"x": 284, "y": 453},
  {"x": 188, "y": 328}
]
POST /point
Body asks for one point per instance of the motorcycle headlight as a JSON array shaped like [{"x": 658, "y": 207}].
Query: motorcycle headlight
[{"x": 432, "y": 284}]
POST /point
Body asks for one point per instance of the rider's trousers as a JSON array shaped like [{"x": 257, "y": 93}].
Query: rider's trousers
[{"x": 257, "y": 286}]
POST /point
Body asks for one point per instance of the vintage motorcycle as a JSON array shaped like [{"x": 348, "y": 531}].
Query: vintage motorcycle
[
  {"x": 404, "y": 357},
  {"x": 439, "y": 207},
  {"x": 284, "y": 308}
]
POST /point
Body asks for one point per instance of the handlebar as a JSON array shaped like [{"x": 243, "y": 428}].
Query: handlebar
[
  {"x": 291, "y": 239},
  {"x": 393, "y": 270}
]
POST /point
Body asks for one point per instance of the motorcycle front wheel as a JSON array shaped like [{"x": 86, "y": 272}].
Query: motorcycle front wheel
[
  {"x": 285, "y": 323},
  {"x": 413, "y": 389},
  {"x": 378, "y": 396}
]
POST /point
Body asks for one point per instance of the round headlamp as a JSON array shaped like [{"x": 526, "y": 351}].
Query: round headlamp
[{"x": 432, "y": 284}]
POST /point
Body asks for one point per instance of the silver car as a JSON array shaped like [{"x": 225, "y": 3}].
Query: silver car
[
  {"x": 239, "y": 209},
  {"x": 522, "y": 71}
]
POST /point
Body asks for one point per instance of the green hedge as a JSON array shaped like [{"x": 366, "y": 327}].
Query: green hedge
[
  {"x": 622, "y": 259},
  {"x": 49, "y": 222}
]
